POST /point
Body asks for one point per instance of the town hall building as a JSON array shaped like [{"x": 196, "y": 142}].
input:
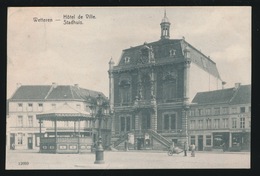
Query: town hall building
[{"x": 150, "y": 90}]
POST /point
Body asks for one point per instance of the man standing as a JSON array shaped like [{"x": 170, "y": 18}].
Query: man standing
[
  {"x": 193, "y": 150},
  {"x": 185, "y": 148}
]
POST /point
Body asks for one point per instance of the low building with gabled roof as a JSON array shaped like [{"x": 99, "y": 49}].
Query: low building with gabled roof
[
  {"x": 221, "y": 119},
  {"x": 30, "y": 100}
]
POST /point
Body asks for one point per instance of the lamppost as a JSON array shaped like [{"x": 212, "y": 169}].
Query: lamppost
[{"x": 100, "y": 111}]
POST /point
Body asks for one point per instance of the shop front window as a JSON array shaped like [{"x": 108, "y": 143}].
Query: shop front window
[
  {"x": 20, "y": 138},
  {"x": 192, "y": 140},
  {"x": 208, "y": 140},
  {"x": 236, "y": 139},
  {"x": 217, "y": 140}
]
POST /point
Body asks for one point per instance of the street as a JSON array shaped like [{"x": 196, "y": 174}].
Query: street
[{"x": 126, "y": 160}]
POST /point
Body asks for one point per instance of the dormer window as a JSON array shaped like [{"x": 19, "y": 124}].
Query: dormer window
[
  {"x": 172, "y": 52},
  {"x": 204, "y": 63},
  {"x": 127, "y": 59}
]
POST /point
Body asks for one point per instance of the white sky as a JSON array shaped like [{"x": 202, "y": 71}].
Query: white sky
[{"x": 42, "y": 53}]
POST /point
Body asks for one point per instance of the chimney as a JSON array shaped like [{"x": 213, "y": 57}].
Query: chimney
[
  {"x": 54, "y": 85},
  {"x": 18, "y": 85},
  {"x": 76, "y": 85},
  {"x": 237, "y": 85},
  {"x": 223, "y": 84}
]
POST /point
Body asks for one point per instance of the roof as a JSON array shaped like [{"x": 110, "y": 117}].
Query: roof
[
  {"x": 31, "y": 92},
  {"x": 240, "y": 95},
  {"x": 243, "y": 95},
  {"x": 161, "y": 50},
  {"x": 58, "y": 92},
  {"x": 64, "y": 112}
]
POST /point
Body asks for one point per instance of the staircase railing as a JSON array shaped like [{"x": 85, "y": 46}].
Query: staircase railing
[
  {"x": 121, "y": 139},
  {"x": 160, "y": 138}
]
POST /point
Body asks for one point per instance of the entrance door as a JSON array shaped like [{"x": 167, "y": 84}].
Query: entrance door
[
  {"x": 140, "y": 143},
  {"x": 12, "y": 142},
  {"x": 30, "y": 143},
  {"x": 146, "y": 121},
  {"x": 200, "y": 143}
]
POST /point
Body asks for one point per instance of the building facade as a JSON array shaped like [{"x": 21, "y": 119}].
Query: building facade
[
  {"x": 23, "y": 130},
  {"x": 221, "y": 119},
  {"x": 151, "y": 88}
]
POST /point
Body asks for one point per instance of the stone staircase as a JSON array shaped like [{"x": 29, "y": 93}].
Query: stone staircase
[
  {"x": 118, "y": 140},
  {"x": 160, "y": 138}
]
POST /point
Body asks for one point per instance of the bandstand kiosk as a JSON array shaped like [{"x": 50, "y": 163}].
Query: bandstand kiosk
[{"x": 60, "y": 144}]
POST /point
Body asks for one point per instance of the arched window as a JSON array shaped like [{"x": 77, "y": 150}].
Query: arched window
[
  {"x": 169, "y": 86},
  {"x": 125, "y": 93},
  {"x": 146, "y": 87}
]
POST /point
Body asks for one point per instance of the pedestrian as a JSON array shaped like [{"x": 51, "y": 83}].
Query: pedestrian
[
  {"x": 185, "y": 148},
  {"x": 172, "y": 147},
  {"x": 13, "y": 146},
  {"x": 193, "y": 150},
  {"x": 224, "y": 147}
]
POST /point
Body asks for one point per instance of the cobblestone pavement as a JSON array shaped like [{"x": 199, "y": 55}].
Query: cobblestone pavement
[{"x": 126, "y": 160}]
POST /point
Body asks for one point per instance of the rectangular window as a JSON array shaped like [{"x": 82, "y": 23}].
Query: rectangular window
[
  {"x": 173, "y": 121},
  {"x": 133, "y": 122},
  {"x": 242, "y": 122},
  {"x": 208, "y": 140},
  {"x": 128, "y": 123},
  {"x": 30, "y": 121},
  {"x": 225, "y": 110},
  {"x": 37, "y": 140},
  {"x": 20, "y": 121},
  {"x": 30, "y": 106},
  {"x": 197, "y": 112},
  {"x": 208, "y": 121},
  {"x": 216, "y": 111},
  {"x": 225, "y": 123},
  {"x": 78, "y": 106},
  {"x": 216, "y": 123},
  {"x": 40, "y": 107},
  {"x": 20, "y": 138},
  {"x": 234, "y": 110},
  {"x": 200, "y": 111},
  {"x": 192, "y": 140},
  {"x": 242, "y": 109},
  {"x": 53, "y": 106},
  {"x": 20, "y": 107},
  {"x": 122, "y": 119},
  {"x": 166, "y": 122},
  {"x": 200, "y": 124},
  {"x": 192, "y": 112},
  {"x": 208, "y": 111},
  {"x": 192, "y": 124}
]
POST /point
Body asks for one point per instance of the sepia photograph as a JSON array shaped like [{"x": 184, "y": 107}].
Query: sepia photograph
[{"x": 162, "y": 87}]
